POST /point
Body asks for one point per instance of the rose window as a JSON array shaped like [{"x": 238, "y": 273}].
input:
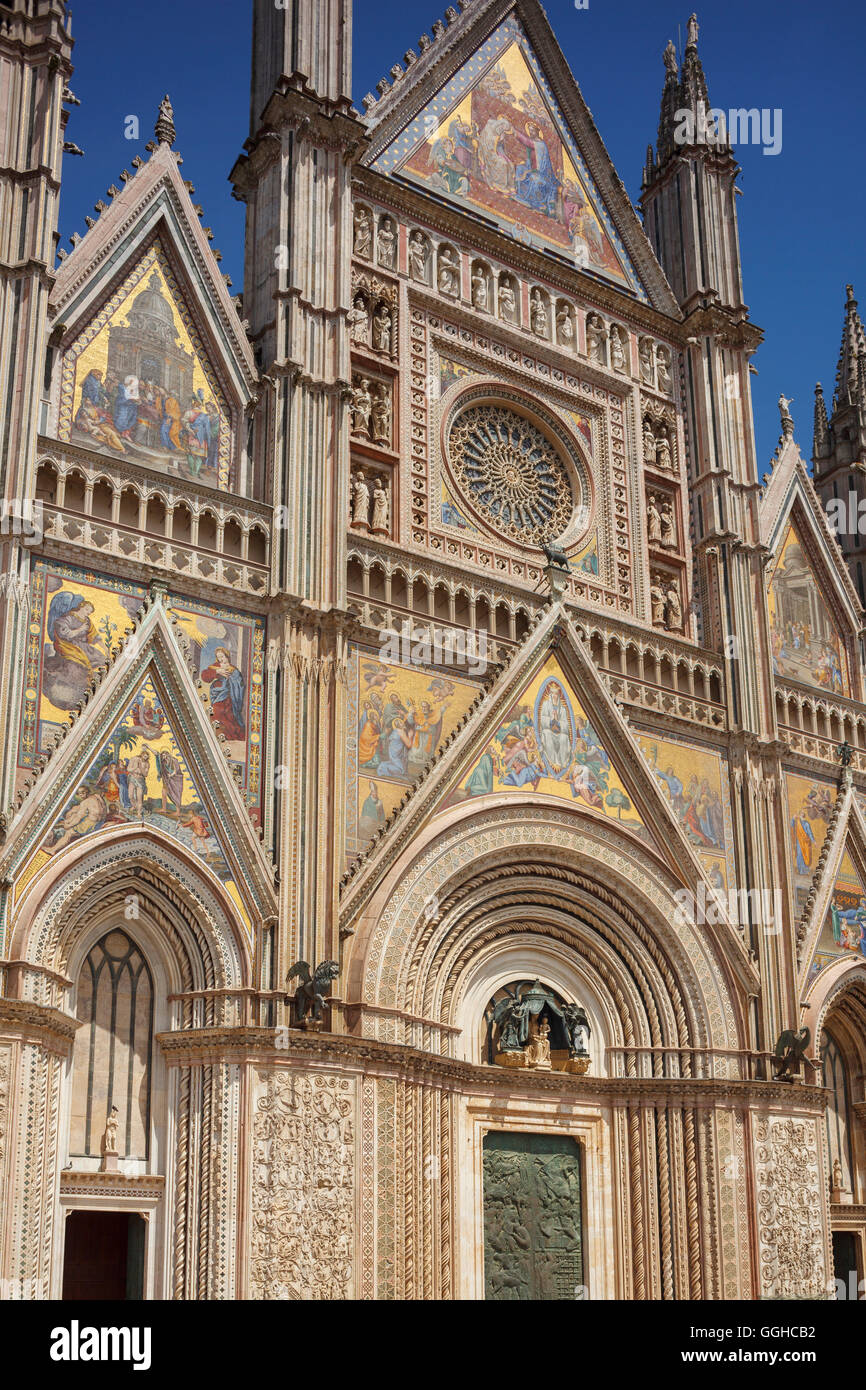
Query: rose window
[{"x": 511, "y": 473}]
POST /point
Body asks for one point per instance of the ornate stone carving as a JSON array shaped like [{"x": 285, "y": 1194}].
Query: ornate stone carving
[
  {"x": 363, "y": 240},
  {"x": 448, "y": 272},
  {"x": 303, "y": 1187},
  {"x": 791, "y": 1253},
  {"x": 386, "y": 243},
  {"x": 512, "y": 473},
  {"x": 419, "y": 257},
  {"x": 532, "y": 1222}
]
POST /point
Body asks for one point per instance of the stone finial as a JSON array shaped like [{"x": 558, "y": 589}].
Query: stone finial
[
  {"x": 369, "y": 101},
  {"x": 670, "y": 57},
  {"x": 692, "y": 30},
  {"x": 164, "y": 129}
]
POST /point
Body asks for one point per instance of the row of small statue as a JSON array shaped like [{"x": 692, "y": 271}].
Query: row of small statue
[
  {"x": 371, "y": 323},
  {"x": 667, "y": 608},
  {"x": 657, "y": 446},
  {"x": 655, "y": 362},
  {"x": 661, "y": 527},
  {"x": 369, "y": 509},
  {"x": 371, "y": 410}
]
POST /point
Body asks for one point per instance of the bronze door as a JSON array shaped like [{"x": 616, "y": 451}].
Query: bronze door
[{"x": 533, "y": 1246}]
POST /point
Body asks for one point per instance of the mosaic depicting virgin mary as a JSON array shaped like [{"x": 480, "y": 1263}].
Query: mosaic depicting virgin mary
[
  {"x": 75, "y": 649},
  {"x": 554, "y": 728}
]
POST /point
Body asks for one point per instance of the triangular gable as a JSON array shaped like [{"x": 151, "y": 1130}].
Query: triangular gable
[
  {"x": 807, "y": 641},
  {"x": 546, "y": 743},
  {"x": 493, "y": 140},
  {"x": 583, "y": 753},
  {"x": 137, "y": 382},
  {"x": 834, "y": 927},
  {"x": 146, "y": 753},
  {"x": 142, "y": 297}
]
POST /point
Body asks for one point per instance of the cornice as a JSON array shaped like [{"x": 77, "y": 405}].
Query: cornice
[
  {"x": 259, "y": 1046},
  {"x": 38, "y": 1023}
]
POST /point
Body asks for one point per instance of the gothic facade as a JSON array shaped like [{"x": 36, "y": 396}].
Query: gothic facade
[{"x": 424, "y": 610}]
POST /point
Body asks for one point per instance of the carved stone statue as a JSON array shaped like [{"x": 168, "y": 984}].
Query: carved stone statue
[
  {"x": 538, "y": 314},
  {"x": 663, "y": 367},
  {"x": 381, "y": 414},
  {"x": 663, "y": 449},
  {"x": 479, "y": 287},
  {"x": 363, "y": 245},
  {"x": 449, "y": 272},
  {"x": 360, "y": 501},
  {"x": 657, "y": 602},
  {"x": 617, "y": 349},
  {"x": 382, "y": 328},
  {"x": 418, "y": 257},
  {"x": 671, "y": 58},
  {"x": 513, "y": 1026},
  {"x": 539, "y": 1046},
  {"x": 109, "y": 1143},
  {"x": 507, "y": 301},
  {"x": 692, "y": 29},
  {"x": 647, "y": 372},
  {"x": 595, "y": 336},
  {"x": 668, "y": 529},
  {"x": 838, "y": 1177},
  {"x": 109, "y": 1138},
  {"x": 361, "y": 407},
  {"x": 577, "y": 1026},
  {"x": 381, "y": 508},
  {"x": 387, "y": 243},
  {"x": 790, "y": 1053},
  {"x": 673, "y": 608},
  {"x": 359, "y": 321},
  {"x": 653, "y": 519},
  {"x": 564, "y": 325},
  {"x": 649, "y": 443},
  {"x": 311, "y": 994},
  {"x": 785, "y": 403}
]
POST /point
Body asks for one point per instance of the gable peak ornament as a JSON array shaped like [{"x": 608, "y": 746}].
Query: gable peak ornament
[{"x": 164, "y": 129}]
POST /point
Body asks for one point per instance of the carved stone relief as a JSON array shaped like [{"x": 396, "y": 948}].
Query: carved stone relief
[
  {"x": 303, "y": 1198},
  {"x": 791, "y": 1252}
]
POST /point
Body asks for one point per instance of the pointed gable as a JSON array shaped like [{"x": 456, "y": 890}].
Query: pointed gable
[
  {"x": 494, "y": 141},
  {"x": 547, "y": 745},
  {"x": 154, "y": 367},
  {"x": 137, "y": 383},
  {"x": 807, "y": 643}
]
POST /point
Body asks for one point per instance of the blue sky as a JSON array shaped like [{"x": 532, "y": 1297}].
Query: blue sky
[{"x": 801, "y": 219}]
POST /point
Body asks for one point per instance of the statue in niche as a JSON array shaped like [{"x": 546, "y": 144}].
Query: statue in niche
[
  {"x": 663, "y": 450},
  {"x": 387, "y": 243},
  {"x": 657, "y": 601},
  {"x": 838, "y": 1179},
  {"x": 381, "y": 414},
  {"x": 538, "y": 314},
  {"x": 418, "y": 257},
  {"x": 673, "y": 608},
  {"x": 653, "y": 519},
  {"x": 479, "y": 287},
  {"x": 564, "y": 326},
  {"x": 449, "y": 272},
  {"x": 361, "y": 407},
  {"x": 663, "y": 364},
  {"x": 617, "y": 349},
  {"x": 382, "y": 328},
  {"x": 539, "y": 1046},
  {"x": 577, "y": 1027},
  {"x": 668, "y": 528},
  {"x": 381, "y": 509},
  {"x": 363, "y": 244},
  {"x": 359, "y": 321},
  {"x": 647, "y": 374},
  {"x": 108, "y": 1163},
  {"x": 649, "y": 442},
  {"x": 507, "y": 301},
  {"x": 595, "y": 336},
  {"x": 360, "y": 501}
]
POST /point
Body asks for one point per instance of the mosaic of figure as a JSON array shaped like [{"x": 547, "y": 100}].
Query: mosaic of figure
[
  {"x": 504, "y": 149},
  {"x": 136, "y": 383},
  {"x": 807, "y": 645}
]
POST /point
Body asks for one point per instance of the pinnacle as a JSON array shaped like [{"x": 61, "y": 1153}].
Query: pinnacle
[{"x": 164, "y": 129}]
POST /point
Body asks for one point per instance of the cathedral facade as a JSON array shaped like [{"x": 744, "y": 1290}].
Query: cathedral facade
[{"x": 433, "y": 778}]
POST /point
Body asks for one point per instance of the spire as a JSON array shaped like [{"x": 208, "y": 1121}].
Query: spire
[
  {"x": 685, "y": 90},
  {"x": 852, "y": 355},
  {"x": 821, "y": 435},
  {"x": 164, "y": 129}
]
